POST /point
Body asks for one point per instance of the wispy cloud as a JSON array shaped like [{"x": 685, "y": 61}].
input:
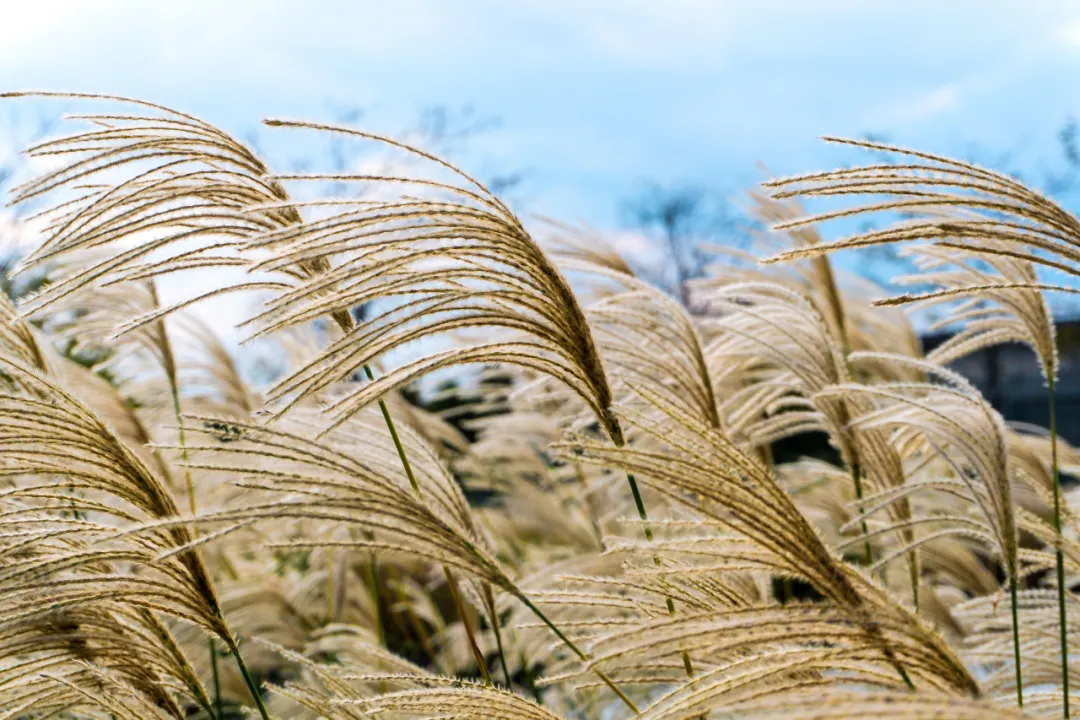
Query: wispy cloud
[
  {"x": 594, "y": 96},
  {"x": 921, "y": 107}
]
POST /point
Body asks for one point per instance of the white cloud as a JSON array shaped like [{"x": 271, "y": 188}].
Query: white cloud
[{"x": 638, "y": 249}]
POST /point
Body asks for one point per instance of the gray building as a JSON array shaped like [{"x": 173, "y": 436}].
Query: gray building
[{"x": 1010, "y": 378}]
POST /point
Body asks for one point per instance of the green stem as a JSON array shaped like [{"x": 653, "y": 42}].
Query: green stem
[
  {"x": 252, "y": 687},
  {"x": 904, "y": 676},
  {"x": 190, "y": 486},
  {"x": 1058, "y": 555},
  {"x": 489, "y": 598},
  {"x": 373, "y": 581},
  {"x": 174, "y": 390},
  {"x": 868, "y": 559},
  {"x": 528, "y": 603},
  {"x": 632, "y": 481},
  {"x": 640, "y": 505},
  {"x": 913, "y": 571},
  {"x": 836, "y": 310},
  {"x": 329, "y": 589},
  {"x": 856, "y": 479},
  {"x": 1016, "y": 642},
  {"x": 454, "y": 594},
  {"x": 217, "y": 679},
  {"x": 579, "y": 652}
]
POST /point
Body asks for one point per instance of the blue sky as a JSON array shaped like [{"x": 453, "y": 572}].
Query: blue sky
[{"x": 593, "y": 96}]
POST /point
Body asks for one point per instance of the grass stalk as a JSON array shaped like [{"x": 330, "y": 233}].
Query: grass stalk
[
  {"x": 688, "y": 666},
  {"x": 216, "y": 678},
  {"x": 1016, "y": 642},
  {"x": 835, "y": 305},
  {"x": 329, "y": 589},
  {"x": 174, "y": 390},
  {"x": 528, "y": 603},
  {"x": 373, "y": 583},
  {"x": 478, "y": 655},
  {"x": 856, "y": 480},
  {"x": 451, "y": 582},
  {"x": 252, "y": 687},
  {"x": 1058, "y": 555},
  {"x": 189, "y": 485},
  {"x": 913, "y": 572},
  {"x": 489, "y": 598},
  {"x": 582, "y": 655}
]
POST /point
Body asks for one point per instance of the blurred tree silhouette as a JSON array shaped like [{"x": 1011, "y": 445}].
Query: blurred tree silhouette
[{"x": 680, "y": 218}]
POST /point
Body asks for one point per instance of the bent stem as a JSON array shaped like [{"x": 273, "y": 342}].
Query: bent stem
[
  {"x": 913, "y": 572},
  {"x": 1060, "y": 560},
  {"x": 455, "y": 595},
  {"x": 373, "y": 582},
  {"x": 174, "y": 390}
]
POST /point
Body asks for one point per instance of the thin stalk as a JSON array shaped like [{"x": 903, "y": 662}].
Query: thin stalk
[
  {"x": 904, "y": 676},
  {"x": 580, "y": 653},
  {"x": 528, "y": 603},
  {"x": 1058, "y": 556},
  {"x": 373, "y": 581},
  {"x": 856, "y": 479},
  {"x": 455, "y": 593},
  {"x": 190, "y": 678},
  {"x": 1016, "y": 642},
  {"x": 688, "y": 667},
  {"x": 913, "y": 572},
  {"x": 451, "y": 582},
  {"x": 174, "y": 390},
  {"x": 170, "y": 372},
  {"x": 329, "y": 589},
  {"x": 835, "y": 306},
  {"x": 217, "y": 679},
  {"x": 489, "y": 598},
  {"x": 252, "y": 687},
  {"x": 188, "y": 483}
]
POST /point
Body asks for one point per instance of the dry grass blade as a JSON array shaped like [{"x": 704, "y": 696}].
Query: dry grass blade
[
  {"x": 701, "y": 463},
  {"x": 370, "y": 540},
  {"x": 998, "y": 303},
  {"x": 951, "y": 203},
  {"x": 461, "y": 262},
  {"x": 162, "y": 191},
  {"x": 813, "y": 705},
  {"x": 47, "y": 431},
  {"x": 319, "y": 480},
  {"x": 647, "y": 338}
]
